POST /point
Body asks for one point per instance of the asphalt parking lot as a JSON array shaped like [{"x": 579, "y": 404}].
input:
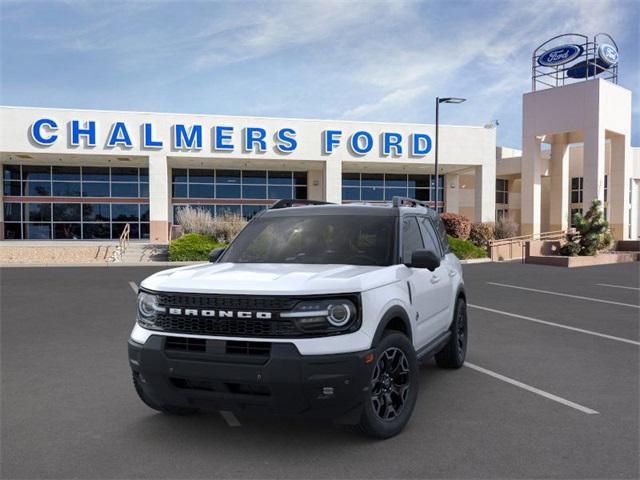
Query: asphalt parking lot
[{"x": 551, "y": 389}]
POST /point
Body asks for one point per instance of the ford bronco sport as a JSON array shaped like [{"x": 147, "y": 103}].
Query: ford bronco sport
[{"x": 314, "y": 309}]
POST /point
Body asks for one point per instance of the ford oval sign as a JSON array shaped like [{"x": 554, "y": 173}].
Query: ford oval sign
[
  {"x": 560, "y": 55},
  {"x": 608, "y": 54}
]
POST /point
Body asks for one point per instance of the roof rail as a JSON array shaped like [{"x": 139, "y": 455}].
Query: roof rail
[
  {"x": 407, "y": 202},
  {"x": 290, "y": 202}
]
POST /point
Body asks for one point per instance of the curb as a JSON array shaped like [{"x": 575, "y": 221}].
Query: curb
[{"x": 475, "y": 260}]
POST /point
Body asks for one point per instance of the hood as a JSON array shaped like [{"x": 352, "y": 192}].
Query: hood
[{"x": 270, "y": 278}]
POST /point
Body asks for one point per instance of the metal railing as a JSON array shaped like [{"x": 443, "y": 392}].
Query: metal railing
[
  {"x": 123, "y": 244},
  {"x": 519, "y": 243}
]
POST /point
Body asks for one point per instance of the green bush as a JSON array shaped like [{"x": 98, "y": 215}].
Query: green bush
[
  {"x": 465, "y": 250},
  {"x": 591, "y": 235},
  {"x": 192, "y": 247}
]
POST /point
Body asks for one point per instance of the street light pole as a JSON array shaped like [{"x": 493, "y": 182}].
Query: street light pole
[
  {"x": 436, "y": 152},
  {"x": 438, "y": 102}
]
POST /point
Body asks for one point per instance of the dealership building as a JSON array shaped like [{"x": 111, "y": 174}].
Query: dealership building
[{"x": 85, "y": 174}]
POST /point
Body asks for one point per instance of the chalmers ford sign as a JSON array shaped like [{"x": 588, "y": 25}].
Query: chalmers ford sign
[{"x": 222, "y": 138}]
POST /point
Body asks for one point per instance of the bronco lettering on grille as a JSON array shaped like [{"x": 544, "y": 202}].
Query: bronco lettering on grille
[{"x": 193, "y": 312}]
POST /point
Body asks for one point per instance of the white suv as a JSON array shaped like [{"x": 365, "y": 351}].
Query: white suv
[{"x": 319, "y": 310}]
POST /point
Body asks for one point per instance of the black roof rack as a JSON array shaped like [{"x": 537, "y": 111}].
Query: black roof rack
[
  {"x": 407, "y": 202},
  {"x": 290, "y": 202}
]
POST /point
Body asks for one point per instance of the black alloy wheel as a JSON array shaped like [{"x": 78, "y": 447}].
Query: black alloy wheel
[{"x": 390, "y": 384}]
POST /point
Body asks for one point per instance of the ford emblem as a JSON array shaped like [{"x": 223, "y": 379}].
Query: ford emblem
[
  {"x": 560, "y": 55},
  {"x": 608, "y": 54}
]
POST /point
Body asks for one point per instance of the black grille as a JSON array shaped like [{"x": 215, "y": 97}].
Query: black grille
[
  {"x": 186, "y": 344},
  {"x": 227, "y": 302},
  {"x": 234, "y": 327},
  {"x": 248, "y": 348}
]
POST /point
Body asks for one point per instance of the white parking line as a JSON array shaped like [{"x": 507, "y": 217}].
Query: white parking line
[
  {"x": 616, "y": 286},
  {"x": 230, "y": 418},
  {"x": 134, "y": 287},
  {"x": 531, "y": 389},
  {"x": 590, "y": 299},
  {"x": 552, "y": 324}
]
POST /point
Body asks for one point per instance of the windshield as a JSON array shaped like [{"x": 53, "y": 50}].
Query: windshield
[{"x": 341, "y": 239}]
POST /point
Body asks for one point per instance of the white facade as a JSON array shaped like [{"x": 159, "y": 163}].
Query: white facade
[{"x": 167, "y": 143}]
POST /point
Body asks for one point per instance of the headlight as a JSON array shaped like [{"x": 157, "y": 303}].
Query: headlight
[
  {"x": 148, "y": 308},
  {"x": 328, "y": 315}
]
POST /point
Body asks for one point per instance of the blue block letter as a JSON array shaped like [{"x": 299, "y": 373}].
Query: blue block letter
[
  {"x": 286, "y": 140},
  {"x": 330, "y": 140},
  {"x": 421, "y": 144},
  {"x": 147, "y": 138},
  {"x": 89, "y": 131},
  {"x": 355, "y": 142},
  {"x": 36, "y": 131},
  {"x": 184, "y": 139},
  {"x": 223, "y": 135},
  {"x": 119, "y": 136},
  {"x": 392, "y": 140},
  {"x": 253, "y": 136}
]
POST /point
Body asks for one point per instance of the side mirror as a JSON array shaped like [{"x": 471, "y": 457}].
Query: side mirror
[
  {"x": 425, "y": 259},
  {"x": 215, "y": 254}
]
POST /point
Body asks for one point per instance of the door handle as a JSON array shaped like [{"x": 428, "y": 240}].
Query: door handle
[
  {"x": 435, "y": 279},
  {"x": 452, "y": 273}
]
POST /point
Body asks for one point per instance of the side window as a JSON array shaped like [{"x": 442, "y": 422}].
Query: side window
[
  {"x": 442, "y": 234},
  {"x": 411, "y": 238},
  {"x": 429, "y": 235}
]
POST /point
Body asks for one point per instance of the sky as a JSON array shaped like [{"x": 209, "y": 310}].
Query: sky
[{"x": 344, "y": 60}]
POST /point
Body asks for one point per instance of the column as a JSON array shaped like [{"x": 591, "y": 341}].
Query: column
[
  {"x": 315, "y": 190},
  {"x": 159, "y": 198},
  {"x": 452, "y": 192},
  {"x": 618, "y": 188},
  {"x": 559, "y": 196},
  {"x": 485, "y": 192},
  {"x": 333, "y": 180},
  {"x": 593, "y": 167},
  {"x": 531, "y": 188}
]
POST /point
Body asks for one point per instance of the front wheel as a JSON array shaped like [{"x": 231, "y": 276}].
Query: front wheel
[
  {"x": 393, "y": 388},
  {"x": 454, "y": 352}
]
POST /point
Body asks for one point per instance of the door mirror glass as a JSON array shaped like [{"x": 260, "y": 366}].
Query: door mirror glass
[
  {"x": 214, "y": 255},
  {"x": 425, "y": 258}
]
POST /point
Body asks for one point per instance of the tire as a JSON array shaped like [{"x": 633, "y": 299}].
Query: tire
[
  {"x": 393, "y": 388},
  {"x": 168, "y": 409},
  {"x": 454, "y": 352}
]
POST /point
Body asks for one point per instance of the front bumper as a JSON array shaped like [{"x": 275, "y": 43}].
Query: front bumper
[{"x": 280, "y": 381}]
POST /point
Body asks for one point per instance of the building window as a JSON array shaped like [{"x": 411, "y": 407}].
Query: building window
[
  {"x": 212, "y": 185},
  {"x": 576, "y": 190},
  {"x": 65, "y": 213},
  {"x": 606, "y": 187},
  {"x": 382, "y": 187},
  {"x": 74, "y": 221},
  {"x": 502, "y": 190},
  {"x": 502, "y": 213}
]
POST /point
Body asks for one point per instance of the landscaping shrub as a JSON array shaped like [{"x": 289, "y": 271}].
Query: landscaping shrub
[
  {"x": 223, "y": 227},
  {"x": 458, "y": 226},
  {"x": 505, "y": 228},
  {"x": 465, "y": 250},
  {"x": 481, "y": 234},
  {"x": 192, "y": 247},
  {"x": 591, "y": 233}
]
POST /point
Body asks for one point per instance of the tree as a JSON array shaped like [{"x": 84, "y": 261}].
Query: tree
[{"x": 591, "y": 235}]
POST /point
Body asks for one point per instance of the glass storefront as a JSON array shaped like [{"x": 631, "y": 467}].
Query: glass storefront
[
  {"x": 382, "y": 187},
  {"x": 215, "y": 189},
  {"x": 114, "y": 197}
]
